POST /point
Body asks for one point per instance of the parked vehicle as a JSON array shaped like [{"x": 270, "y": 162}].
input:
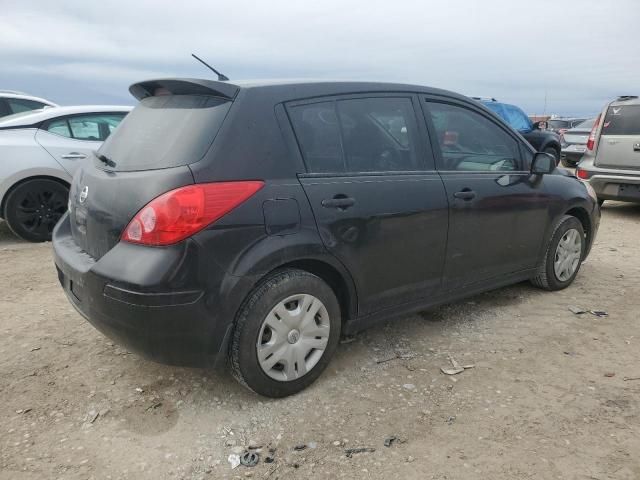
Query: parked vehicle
[
  {"x": 17, "y": 102},
  {"x": 574, "y": 143},
  {"x": 540, "y": 140},
  {"x": 260, "y": 221},
  {"x": 561, "y": 125},
  {"x": 40, "y": 151},
  {"x": 611, "y": 163}
]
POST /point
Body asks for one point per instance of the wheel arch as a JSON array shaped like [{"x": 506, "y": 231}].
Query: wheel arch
[
  {"x": 341, "y": 286},
  {"x": 583, "y": 216},
  {"x": 23, "y": 180}
]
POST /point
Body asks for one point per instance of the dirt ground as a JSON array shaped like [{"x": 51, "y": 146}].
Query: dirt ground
[{"x": 552, "y": 394}]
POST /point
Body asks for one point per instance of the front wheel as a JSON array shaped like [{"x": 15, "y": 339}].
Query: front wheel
[
  {"x": 554, "y": 153},
  {"x": 286, "y": 333},
  {"x": 34, "y": 207},
  {"x": 563, "y": 257}
]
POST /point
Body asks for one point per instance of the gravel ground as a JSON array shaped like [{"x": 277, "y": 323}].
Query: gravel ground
[{"x": 552, "y": 394}]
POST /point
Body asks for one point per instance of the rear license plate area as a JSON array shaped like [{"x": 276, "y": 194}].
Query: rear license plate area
[{"x": 629, "y": 190}]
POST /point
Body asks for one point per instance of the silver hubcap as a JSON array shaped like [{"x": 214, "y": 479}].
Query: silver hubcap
[
  {"x": 293, "y": 337},
  {"x": 568, "y": 255}
]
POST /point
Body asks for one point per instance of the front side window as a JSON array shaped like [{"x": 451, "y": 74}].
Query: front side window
[
  {"x": 357, "y": 135},
  {"x": 471, "y": 142}
]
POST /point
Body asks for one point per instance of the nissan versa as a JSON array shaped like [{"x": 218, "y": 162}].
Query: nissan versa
[{"x": 259, "y": 222}]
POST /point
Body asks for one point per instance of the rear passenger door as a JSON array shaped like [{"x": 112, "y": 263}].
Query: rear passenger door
[
  {"x": 379, "y": 204},
  {"x": 73, "y": 138},
  {"x": 498, "y": 210}
]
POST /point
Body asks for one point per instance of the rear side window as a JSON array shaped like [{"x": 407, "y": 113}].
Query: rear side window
[
  {"x": 166, "y": 131},
  {"x": 622, "y": 120},
  {"x": 470, "y": 142},
  {"x": 59, "y": 127},
  {"x": 94, "y": 127},
  {"x": 357, "y": 135},
  {"x": 318, "y": 134},
  {"x": 18, "y": 105}
]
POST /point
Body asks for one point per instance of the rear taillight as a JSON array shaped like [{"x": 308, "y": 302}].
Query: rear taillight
[
  {"x": 178, "y": 214},
  {"x": 583, "y": 174},
  {"x": 591, "y": 143}
]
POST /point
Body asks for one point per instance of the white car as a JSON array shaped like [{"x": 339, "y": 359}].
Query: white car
[
  {"x": 39, "y": 153},
  {"x": 17, "y": 102}
]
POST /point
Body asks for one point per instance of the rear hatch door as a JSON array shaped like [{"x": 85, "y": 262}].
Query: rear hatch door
[
  {"x": 145, "y": 157},
  {"x": 619, "y": 144}
]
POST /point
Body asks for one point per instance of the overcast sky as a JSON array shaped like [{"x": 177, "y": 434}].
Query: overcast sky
[{"x": 576, "y": 53}]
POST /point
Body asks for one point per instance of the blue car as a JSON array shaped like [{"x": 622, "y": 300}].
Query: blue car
[{"x": 541, "y": 140}]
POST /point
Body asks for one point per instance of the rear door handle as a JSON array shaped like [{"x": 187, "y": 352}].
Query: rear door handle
[
  {"x": 465, "y": 194},
  {"x": 74, "y": 156},
  {"x": 636, "y": 147},
  {"x": 340, "y": 202}
]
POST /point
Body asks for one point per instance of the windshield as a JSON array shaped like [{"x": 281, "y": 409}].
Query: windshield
[
  {"x": 517, "y": 118},
  {"x": 166, "y": 131}
]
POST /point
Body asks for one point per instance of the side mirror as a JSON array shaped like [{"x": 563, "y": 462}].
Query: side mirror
[
  {"x": 543, "y": 163},
  {"x": 541, "y": 125}
]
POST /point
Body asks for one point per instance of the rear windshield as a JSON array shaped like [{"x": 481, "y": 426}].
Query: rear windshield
[
  {"x": 622, "y": 120},
  {"x": 166, "y": 131},
  {"x": 558, "y": 123},
  {"x": 586, "y": 125}
]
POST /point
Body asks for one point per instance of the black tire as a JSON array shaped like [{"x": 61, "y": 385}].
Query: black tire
[
  {"x": 554, "y": 153},
  {"x": 546, "y": 277},
  {"x": 568, "y": 163},
  {"x": 34, "y": 207},
  {"x": 243, "y": 355}
]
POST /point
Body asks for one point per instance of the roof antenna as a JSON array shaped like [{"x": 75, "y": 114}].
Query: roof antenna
[{"x": 221, "y": 77}]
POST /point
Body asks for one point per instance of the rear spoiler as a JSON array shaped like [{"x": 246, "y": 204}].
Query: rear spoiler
[{"x": 184, "y": 86}]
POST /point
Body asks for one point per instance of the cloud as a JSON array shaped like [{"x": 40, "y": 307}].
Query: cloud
[{"x": 574, "y": 52}]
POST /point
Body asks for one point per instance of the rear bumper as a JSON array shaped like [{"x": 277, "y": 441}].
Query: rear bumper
[
  {"x": 624, "y": 188},
  {"x": 154, "y": 301}
]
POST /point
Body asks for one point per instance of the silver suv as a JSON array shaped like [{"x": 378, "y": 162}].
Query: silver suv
[{"x": 611, "y": 163}]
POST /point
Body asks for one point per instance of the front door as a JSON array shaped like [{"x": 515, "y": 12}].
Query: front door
[
  {"x": 498, "y": 210},
  {"x": 379, "y": 204}
]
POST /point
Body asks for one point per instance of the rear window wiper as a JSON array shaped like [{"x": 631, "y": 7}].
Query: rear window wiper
[{"x": 106, "y": 160}]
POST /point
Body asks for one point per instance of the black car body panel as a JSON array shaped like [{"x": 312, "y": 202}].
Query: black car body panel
[{"x": 387, "y": 242}]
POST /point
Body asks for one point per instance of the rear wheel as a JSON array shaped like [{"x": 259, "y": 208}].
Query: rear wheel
[
  {"x": 285, "y": 334},
  {"x": 34, "y": 207},
  {"x": 563, "y": 257}
]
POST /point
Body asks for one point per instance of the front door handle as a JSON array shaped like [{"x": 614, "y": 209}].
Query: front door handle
[
  {"x": 465, "y": 194},
  {"x": 636, "y": 147},
  {"x": 74, "y": 156},
  {"x": 341, "y": 202}
]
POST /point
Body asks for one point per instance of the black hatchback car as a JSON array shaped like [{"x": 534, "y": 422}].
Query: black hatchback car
[{"x": 259, "y": 222}]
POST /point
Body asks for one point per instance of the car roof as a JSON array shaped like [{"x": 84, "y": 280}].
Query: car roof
[
  {"x": 279, "y": 89},
  {"x": 35, "y": 117},
  {"x": 625, "y": 100},
  {"x": 24, "y": 96}
]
